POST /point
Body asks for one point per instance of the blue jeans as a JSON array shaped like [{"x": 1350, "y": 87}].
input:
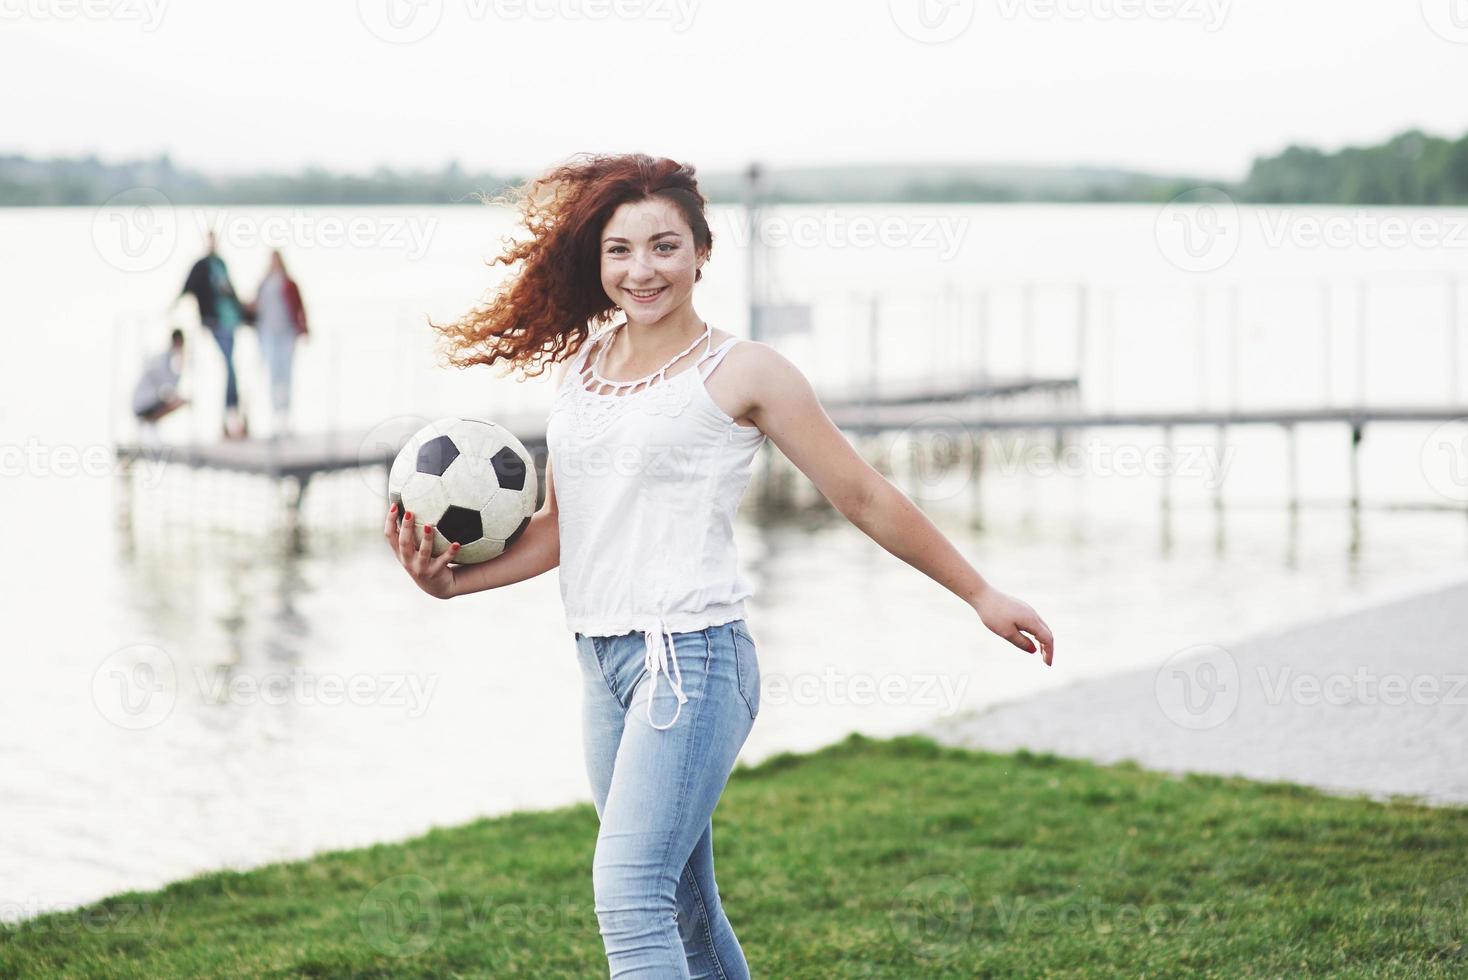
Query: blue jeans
[
  {"x": 655, "y": 790},
  {"x": 223, "y": 335},
  {"x": 279, "y": 348}
]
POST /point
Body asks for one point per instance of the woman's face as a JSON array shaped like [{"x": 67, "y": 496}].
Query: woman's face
[{"x": 648, "y": 260}]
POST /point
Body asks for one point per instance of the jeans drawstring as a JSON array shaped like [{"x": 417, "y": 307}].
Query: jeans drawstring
[{"x": 656, "y": 659}]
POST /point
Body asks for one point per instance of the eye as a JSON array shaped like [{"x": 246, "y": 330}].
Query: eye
[{"x": 670, "y": 245}]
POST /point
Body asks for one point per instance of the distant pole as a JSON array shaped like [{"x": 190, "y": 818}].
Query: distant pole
[
  {"x": 1108, "y": 345},
  {"x": 1235, "y": 325},
  {"x": 1455, "y": 369},
  {"x": 756, "y": 246},
  {"x": 1325, "y": 364},
  {"x": 1202, "y": 297},
  {"x": 1083, "y": 312},
  {"x": 1028, "y": 355},
  {"x": 983, "y": 343},
  {"x": 873, "y": 330},
  {"x": 1361, "y": 318}
]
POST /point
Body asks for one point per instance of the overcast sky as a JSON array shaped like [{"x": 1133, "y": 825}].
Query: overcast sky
[{"x": 1189, "y": 86}]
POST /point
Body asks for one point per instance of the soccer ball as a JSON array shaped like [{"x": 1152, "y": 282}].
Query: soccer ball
[{"x": 472, "y": 480}]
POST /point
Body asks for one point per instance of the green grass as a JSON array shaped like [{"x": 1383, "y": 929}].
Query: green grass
[{"x": 894, "y": 858}]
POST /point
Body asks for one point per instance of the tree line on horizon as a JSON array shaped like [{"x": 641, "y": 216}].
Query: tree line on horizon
[{"x": 1412, "y": 168}]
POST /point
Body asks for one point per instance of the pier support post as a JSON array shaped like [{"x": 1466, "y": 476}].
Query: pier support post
[
  {"x": 1357, "y": 431},
  {"x": 1218, "y": 535},
  {"x": 1292, "y": 465},
  {"x": 1166, "y": 489},
  {"x": 975, "y": 473}
]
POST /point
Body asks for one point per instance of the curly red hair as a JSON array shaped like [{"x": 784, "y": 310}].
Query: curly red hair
[{"x": 548, "y": 306}]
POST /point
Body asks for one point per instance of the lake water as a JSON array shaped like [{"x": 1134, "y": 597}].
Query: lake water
[{"x": 318, "y": 700}]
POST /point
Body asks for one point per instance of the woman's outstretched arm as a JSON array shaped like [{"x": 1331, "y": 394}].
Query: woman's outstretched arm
[{"x": 783, "y": 404}]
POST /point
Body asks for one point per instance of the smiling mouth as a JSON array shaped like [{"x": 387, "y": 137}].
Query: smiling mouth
[{"x": 645, "y": 295}]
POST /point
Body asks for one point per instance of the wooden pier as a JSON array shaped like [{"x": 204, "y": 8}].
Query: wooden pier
[{"x": 962, "y": 417}]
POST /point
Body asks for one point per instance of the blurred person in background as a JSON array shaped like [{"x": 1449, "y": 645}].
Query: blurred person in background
[
  {"x": 156, "y": 393},
  {"x": 220, "y": 311},
  {"x": 280, "y": 316}
]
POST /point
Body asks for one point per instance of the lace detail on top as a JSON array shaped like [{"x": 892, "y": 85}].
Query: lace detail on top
[{"x": 592, "y": 411}]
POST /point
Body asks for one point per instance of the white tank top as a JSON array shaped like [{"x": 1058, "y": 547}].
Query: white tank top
[{"x": 649, "y": 474}]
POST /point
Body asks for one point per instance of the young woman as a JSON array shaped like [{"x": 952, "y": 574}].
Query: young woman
[
  {"x": 280, "y": 318},
  {"x": 653, "y": 430}
]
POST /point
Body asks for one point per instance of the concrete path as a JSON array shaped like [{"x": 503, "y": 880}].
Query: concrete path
[{"x": 1371, "y": 702}]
